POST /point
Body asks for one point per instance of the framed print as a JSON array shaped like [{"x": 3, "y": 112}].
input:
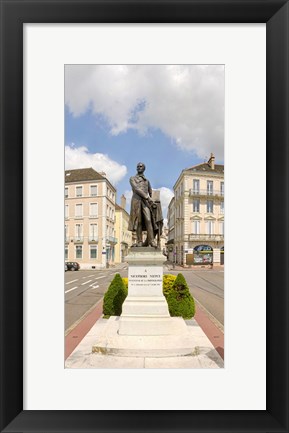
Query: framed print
[{"x": 24, "y": 298}]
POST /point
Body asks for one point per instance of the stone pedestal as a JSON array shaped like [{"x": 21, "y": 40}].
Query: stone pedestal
[
  {"x": 145, "y": 310},
  {"x": 145, "y": 327}
]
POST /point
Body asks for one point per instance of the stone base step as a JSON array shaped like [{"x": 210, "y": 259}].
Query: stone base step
[{"x": 110, "y": 342}]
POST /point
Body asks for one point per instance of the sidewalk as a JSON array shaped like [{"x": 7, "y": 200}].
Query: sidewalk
[
  {"x": 207, "y": 346},
  {"x": 170, "y": 266}
]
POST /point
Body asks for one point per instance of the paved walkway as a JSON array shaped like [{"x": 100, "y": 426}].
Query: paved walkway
[
  {"x": 207, "y": 346},
  {"x": 202, "y": 354}
]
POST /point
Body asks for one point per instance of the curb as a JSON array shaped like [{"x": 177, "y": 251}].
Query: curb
[
  {"x": 74, "y": 337},
  {"x": 214, "y": 334}
]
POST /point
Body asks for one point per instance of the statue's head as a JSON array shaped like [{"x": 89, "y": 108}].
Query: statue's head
[{"x": 140, "y": 167}]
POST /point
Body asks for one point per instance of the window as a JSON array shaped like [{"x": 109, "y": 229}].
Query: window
[
  {"x": 222, "y": 228},
  {"x": 78, "y": 231},
  {"x": 93, "y": 190},
  {"x": 93, "y": 210},
  {"x": 196, "y": 205},
  {"x": 66, "y": 232},
  {"x": 196, "y": 227},
  {"x": 209, "y": 187},
  {"x": 78, "y": 191},
  {"x": 222, "y": 207},
  {"x": 196, "y": 186},
  {"x": 93, "y": 232},
  {"x": 210, "y": 206},
  {"x": 78, "y": 251},
  {"x": 66, "y": 253},
  {"x": 66, "y": 192},
  {"x": 210, "y": 227},
  {"x": 78, "y": 211},
  {"x": 222, "y": 188},
  {"x": 66, "y": 211},
  {"x": 93, "y": 251}
]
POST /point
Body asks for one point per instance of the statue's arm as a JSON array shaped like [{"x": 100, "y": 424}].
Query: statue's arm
[{"x": 136, "y": 189}]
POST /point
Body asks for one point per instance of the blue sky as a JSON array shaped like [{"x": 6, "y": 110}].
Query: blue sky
[{"x": 169, "y": 117}]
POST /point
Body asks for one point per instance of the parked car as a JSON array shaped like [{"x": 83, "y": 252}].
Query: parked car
[
  {"x": 65, "y": 267},
  {"x": 72, "y": 266}
]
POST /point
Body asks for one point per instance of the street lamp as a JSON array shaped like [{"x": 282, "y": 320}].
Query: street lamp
[{"x": 107, "y": 254}]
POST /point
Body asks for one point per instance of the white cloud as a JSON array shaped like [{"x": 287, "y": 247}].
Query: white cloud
[
  {"x": 79, "y": 157},
  {"x": 185, "y": 101}
]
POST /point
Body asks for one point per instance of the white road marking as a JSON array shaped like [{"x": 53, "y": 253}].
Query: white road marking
[
  {"x": 72, "y": 281},
  {"x": 100, "y": 277},
  {"x": 86, "y": 282},
  {"x": 70, "y": 290},
  {"x": 94, "y": 287},
  {"x": 87, "y": 276}
]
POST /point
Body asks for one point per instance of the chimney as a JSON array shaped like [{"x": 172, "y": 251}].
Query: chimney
[
  {"x": 102, "y": 173},
  {"x": 123, "y": 201},
  {"x": 211, "y": 162}
]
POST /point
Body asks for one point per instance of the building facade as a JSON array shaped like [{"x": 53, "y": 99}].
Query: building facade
[
  {"x": 90, "y": 236},
  {"x": 123, "y": 235},
  {"x": 196, "y": 216}
]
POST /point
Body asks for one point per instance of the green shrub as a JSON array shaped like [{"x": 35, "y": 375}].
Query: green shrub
[
  {"x": 114, "y": 297},
  {"x": 168, "y": 281},
  {"x": 180, "y": 301}
]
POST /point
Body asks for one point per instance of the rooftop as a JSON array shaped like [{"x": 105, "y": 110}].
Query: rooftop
[
  {"x": 82, "y": 174},
  {"x": 218, "y": 168}
]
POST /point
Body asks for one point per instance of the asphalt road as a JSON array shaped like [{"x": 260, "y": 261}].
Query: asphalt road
[{"x": 83, "y": 289}]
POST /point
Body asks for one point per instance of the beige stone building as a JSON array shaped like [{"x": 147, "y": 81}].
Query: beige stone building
[
  {"x": 196, "y": 231},
  {"x": 90, "y": 236},
  {"x": 123, "y": 235}
]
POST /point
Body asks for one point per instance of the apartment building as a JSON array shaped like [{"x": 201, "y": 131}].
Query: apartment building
[
  {"x": 123, "y": 235},
  {"x": 90, "y": 237},
  {"x": 196, "y": 216}
]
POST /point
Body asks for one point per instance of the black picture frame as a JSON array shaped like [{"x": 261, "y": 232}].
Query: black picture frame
[{"x": 275, "y": 13}]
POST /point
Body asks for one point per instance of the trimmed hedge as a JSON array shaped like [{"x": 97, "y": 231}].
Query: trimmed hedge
[
  {"x": 114, "y": 297},
  {"x": 179, "y": 299}
]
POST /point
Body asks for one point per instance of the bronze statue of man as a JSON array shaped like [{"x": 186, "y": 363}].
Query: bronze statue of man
[{"x": 141, "y": 213}]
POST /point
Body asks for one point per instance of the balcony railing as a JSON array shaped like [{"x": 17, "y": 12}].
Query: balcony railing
[
  {"x": 206, "y": 193},
  {"x": 78, "y": 239},
  {"x": 203, "y": 237},
  {"x": 112, "y": 240},
  {"x": 93, "y": 239}
]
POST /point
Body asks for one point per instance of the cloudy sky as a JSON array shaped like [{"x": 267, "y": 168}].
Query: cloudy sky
[{"x": 168, "y": 116}]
